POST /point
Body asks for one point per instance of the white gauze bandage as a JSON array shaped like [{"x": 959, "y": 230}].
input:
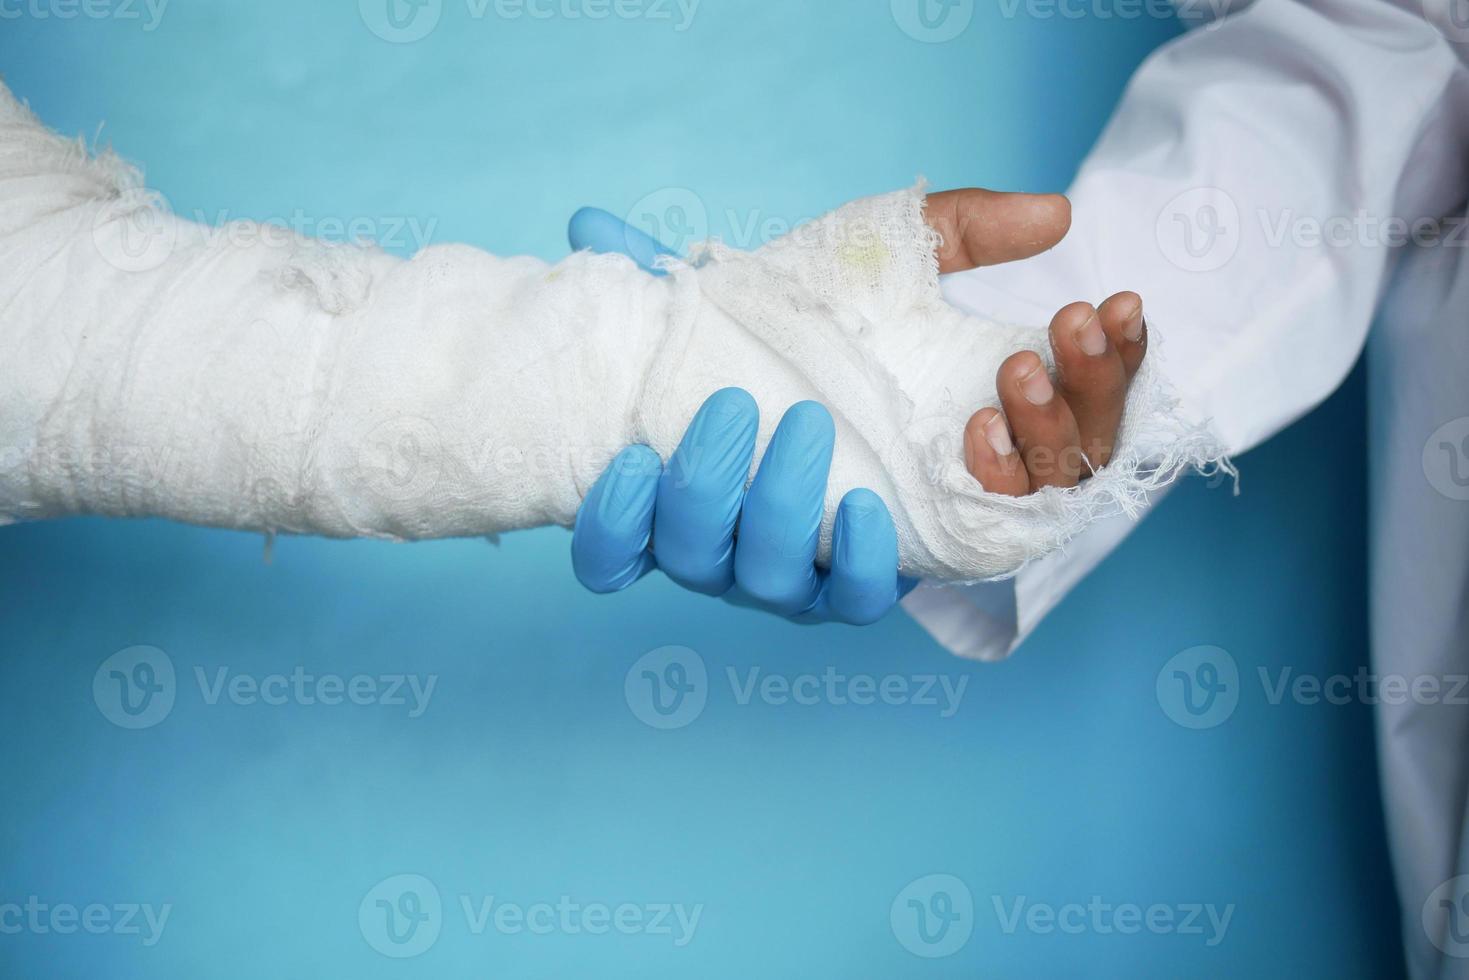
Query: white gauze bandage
[{"x": 243, "y": 376}]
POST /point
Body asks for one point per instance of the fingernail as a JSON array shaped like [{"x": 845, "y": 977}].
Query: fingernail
[
  {"x": 997, "y": 434},
  {"x": 1133, "y": 328},
  {"x": 1036, "y": 386},
  {"x": 1090, "y": 337}
]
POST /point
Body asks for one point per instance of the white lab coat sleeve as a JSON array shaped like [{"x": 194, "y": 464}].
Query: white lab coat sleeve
[{"x": 1251, "y": 186}]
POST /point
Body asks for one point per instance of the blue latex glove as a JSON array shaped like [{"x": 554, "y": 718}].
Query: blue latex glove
[{"x": 757, "y": 547}]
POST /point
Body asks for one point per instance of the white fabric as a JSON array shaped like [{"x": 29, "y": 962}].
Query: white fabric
[
  {"x": 1341, "y": 114},
  {"x": 242, "y": 377}
]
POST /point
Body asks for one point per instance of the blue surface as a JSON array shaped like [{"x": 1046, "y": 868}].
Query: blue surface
[{"x": 537, "y": 770}]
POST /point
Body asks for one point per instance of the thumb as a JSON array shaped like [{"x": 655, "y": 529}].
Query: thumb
[
  {"x": 602, "y": 231},
  {"x": 981, "y": 227}
]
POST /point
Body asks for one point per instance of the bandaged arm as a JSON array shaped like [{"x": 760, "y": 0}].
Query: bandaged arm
[{"x": 243, "y": 377}]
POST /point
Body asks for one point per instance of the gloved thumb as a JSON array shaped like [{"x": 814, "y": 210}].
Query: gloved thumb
[{"x": 604, "y": 232}]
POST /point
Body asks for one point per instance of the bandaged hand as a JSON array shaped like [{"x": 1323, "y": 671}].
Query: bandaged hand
[
  {"x": 287, "y": 385},
  {"x": 757, "y": 547}
]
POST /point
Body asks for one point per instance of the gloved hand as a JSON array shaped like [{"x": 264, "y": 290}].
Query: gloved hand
[{"x": 754, "y": 547}]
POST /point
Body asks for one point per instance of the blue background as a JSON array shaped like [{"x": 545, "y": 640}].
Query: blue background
[{"x": 528, "y": 778}]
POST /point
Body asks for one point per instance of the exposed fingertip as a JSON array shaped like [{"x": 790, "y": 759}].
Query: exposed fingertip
[
  {"x": 1122, "y": 315},
  {"x": 1054, "y": 215},
  {"x": 991, "y": 456},
  {"x": 1019, "y": 365},
  {"x": 1070, "y": 322},
  {"x": 976, "y": 436},
  {"x": 1125, "y": 321}
]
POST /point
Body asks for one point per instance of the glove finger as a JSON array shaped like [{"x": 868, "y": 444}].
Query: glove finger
[
  {"x": 781, "y": 523},
  {"x": 609, "y": 544},
  {"x": 701, "y": 490},
  {"x": 602, "y": 231},
  {"x": 863, "y": 584}
]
